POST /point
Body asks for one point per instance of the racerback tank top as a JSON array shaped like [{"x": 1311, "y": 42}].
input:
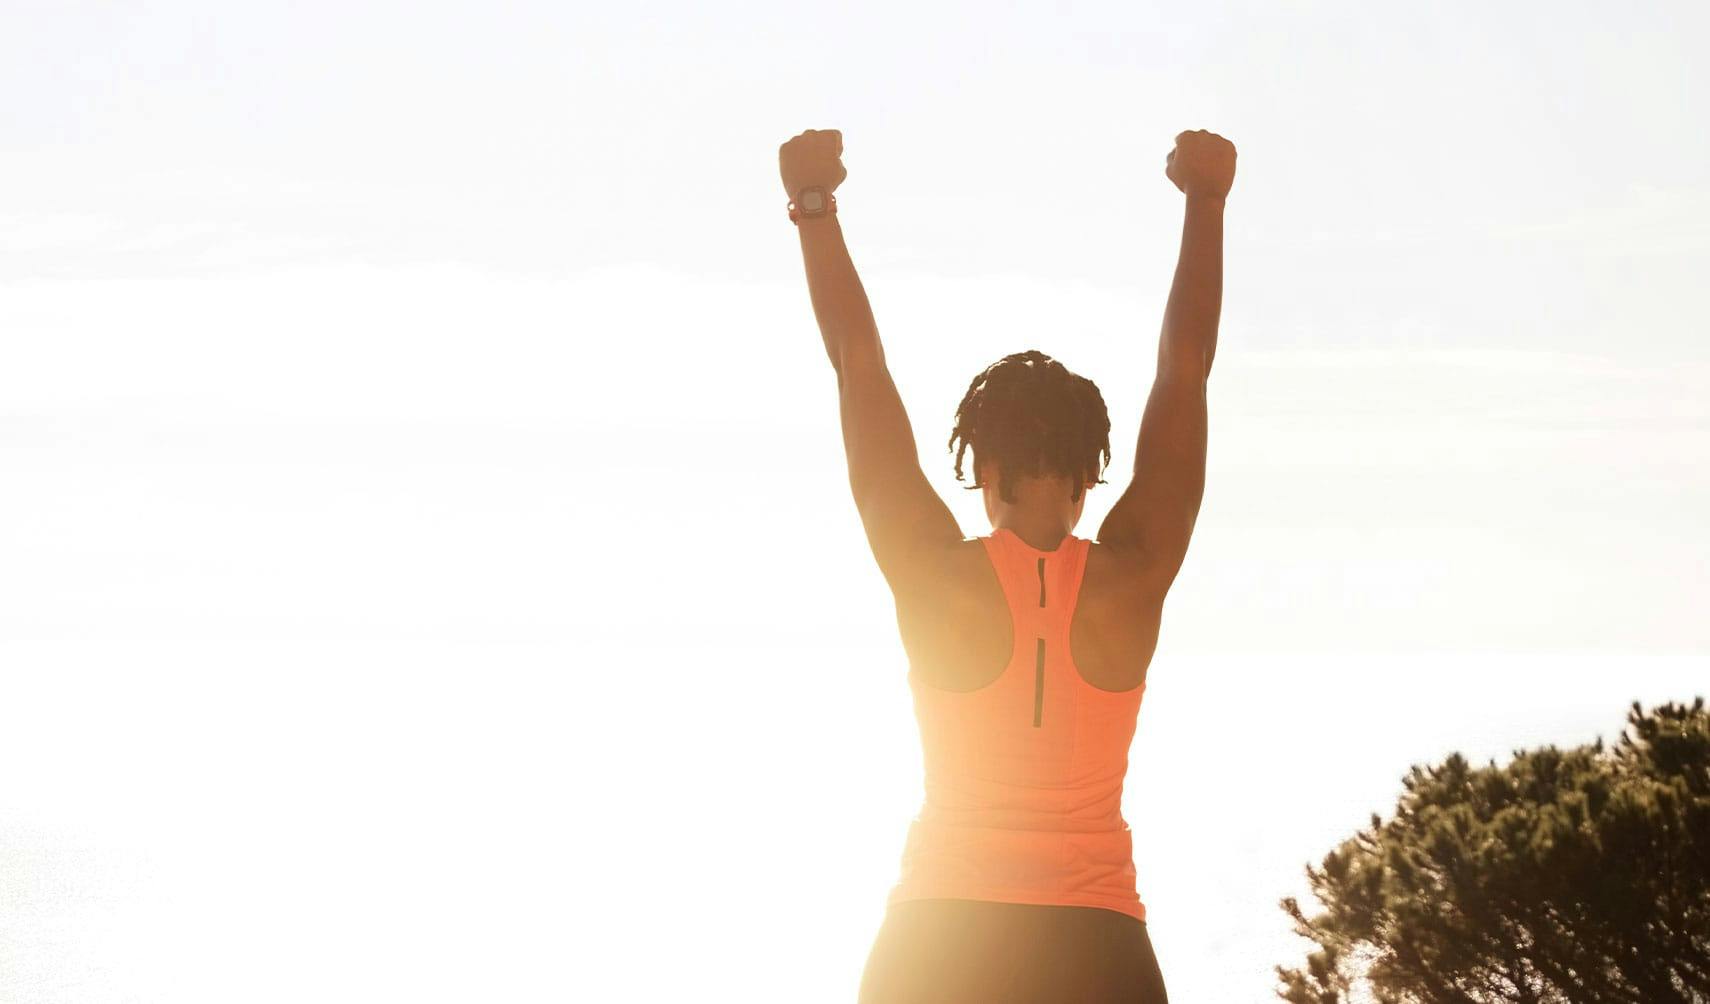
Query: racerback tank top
[{"x": 1024, "y": 775}]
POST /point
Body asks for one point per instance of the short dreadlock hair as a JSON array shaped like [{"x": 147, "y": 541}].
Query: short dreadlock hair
[{"x": 1033, "y": 417}]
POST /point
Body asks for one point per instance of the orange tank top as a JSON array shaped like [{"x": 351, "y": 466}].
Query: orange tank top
[{"x": 1024, "y": 775}]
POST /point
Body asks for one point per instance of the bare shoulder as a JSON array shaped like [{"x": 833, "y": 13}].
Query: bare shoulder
[
  {"x": 953, "y": 618},
  {"x": 952, "y": 572},
  {"x": 1120, "y": 576}
]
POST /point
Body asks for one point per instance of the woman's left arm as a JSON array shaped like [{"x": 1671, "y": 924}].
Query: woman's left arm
[{"x": 902, "y": 514}]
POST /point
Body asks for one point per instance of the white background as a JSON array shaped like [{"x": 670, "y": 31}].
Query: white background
[{"x": 426, "y": 561}]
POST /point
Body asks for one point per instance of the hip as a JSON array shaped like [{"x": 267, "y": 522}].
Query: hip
[{"x": 978, "y": 950}]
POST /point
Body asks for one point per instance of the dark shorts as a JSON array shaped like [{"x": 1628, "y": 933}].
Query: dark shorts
[{"x": 949, "y": 951}]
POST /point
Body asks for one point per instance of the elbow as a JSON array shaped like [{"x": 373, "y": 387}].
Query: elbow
[
  {"x": 1189, "y": 363},
  {"x": 859, "y": 359},
  {"x": 1192, "y": 371}
]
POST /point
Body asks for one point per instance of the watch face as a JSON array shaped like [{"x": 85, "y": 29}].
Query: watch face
[{"x": 813, "y": 200}]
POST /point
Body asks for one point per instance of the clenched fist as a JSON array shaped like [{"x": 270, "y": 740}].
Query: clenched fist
[
  {"x": 1202, "y": 164},
  {"x": 812, "y": 158}
]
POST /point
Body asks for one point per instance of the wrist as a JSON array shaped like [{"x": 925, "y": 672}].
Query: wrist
[
  {"x": 1203, "y": 201},
  {"x": 812, "y": 202},
  {"x": 826, "y": 222}
]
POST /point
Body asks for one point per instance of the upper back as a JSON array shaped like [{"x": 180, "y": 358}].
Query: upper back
[
  {"x": 960, "y": 629},
  {"x": 1016, "y": 733}
]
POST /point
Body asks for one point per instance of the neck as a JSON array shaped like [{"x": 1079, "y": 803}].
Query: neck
[
  {"x": 1042, "y": 532},
  {"x": 1042, "y": 514}
]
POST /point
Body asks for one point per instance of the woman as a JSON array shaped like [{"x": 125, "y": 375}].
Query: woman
[{"x": 1027, "y": 647}]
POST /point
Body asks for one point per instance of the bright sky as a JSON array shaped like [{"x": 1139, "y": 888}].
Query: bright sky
[{"x": 426, "y": 561}]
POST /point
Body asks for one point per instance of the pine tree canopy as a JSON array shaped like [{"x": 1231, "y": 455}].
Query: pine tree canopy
[{"x": 1578, "y": 875}]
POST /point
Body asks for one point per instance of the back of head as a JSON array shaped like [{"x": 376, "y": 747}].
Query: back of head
[{"x": 1033, "y": 417}]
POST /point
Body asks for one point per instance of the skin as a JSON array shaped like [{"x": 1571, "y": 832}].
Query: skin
[{"x": 950, "y": 609}]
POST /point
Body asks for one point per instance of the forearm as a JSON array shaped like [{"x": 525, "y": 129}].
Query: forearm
[
  {"x": 1189, "y": 338},
  {"x": 839, "y": 300}
]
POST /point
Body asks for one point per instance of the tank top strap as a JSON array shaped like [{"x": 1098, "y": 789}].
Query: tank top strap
[
  {"x": 1071, "y": 573},
  {"x": 1042, "y": 587}
]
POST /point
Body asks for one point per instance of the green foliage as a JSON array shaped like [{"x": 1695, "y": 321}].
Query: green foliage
[{"x": 1562, "y": 876}]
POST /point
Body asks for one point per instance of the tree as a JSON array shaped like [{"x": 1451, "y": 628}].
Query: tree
[{"x": 1563, "y": 876}]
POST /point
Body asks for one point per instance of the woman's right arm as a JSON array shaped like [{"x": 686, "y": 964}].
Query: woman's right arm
[{"x": 1152, "y": 521}]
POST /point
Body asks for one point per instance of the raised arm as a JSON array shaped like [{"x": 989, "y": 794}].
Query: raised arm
[
  {"x": 1153, "y": 519},
  {"x": 901, "y": 513}
]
